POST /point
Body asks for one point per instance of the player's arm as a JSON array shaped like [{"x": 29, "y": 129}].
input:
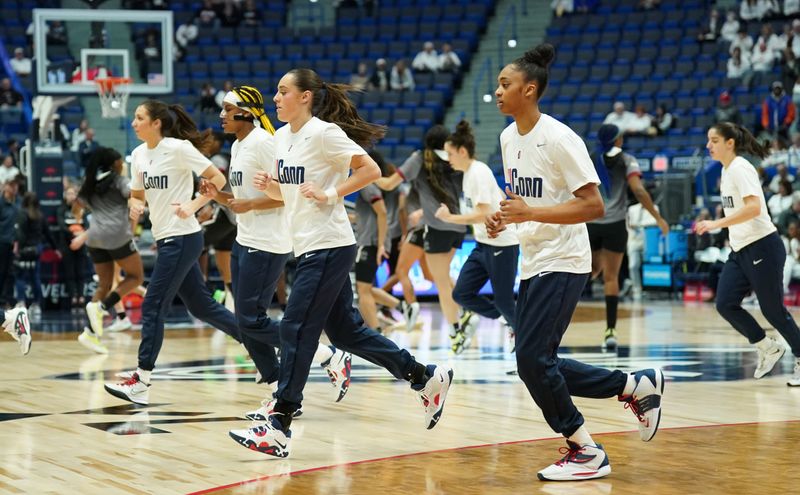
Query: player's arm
[
  {"x": 215, "y": 177},
  {"x": 136, "y": 204},
  {"x": 481, "y": 211},
  {"x": 750, "y": 210},
  {"x": 389, "y": 183},
  {"x": 638, "y": 190},
  {"x": 364, "y": 172},
  {"x": 379, "y": 207},
  {"x": 585, "y": 206}
]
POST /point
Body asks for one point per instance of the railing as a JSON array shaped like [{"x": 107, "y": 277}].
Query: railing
[
  {"x": 484, "y": 72},
  {"x": 503, "y": 32}
]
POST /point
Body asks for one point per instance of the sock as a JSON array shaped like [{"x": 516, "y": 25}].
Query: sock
[
  {"x": 416, "y": 375},
  {"x": 630, "y": 385},
  {"x": 324, "y": 354},
  {"x": 764, "y": 344},
  {"x": 122, "y": 315},
  {"x": 283, "y": 413},
  {"x": 144, "y": 375},
  {"x": 111, "y": 299},
  {"x": 229, "y": 288},
  {"x": 611, "y": 311},
  {"x": 581, "y": 437}
]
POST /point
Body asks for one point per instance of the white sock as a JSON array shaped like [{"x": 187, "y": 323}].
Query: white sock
[
  {"x": 323, "y": 353},
  {"x": 764, "y": 344},
  {"x": 581, "y": 437},
  {"x": 630, "y": 385},
  {"x": 144, "y": 376}
]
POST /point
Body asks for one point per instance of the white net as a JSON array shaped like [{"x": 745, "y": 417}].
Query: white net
[{"x": 113, "y": 93}]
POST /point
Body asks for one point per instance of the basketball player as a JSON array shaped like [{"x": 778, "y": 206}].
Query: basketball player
[
  {"x": 492, "y": 259},
  {"x": 314, "y": 158},
  {"x": 608, "y": 236},
  {"x": 15, "y": 323},
  {"x": 758, "y": 256},
  {"x": 261, "y": 248},
  {"x": 105, "y": 191},
  {"x": 161, "y": 170},
  {"x": 552, "y": 189}
]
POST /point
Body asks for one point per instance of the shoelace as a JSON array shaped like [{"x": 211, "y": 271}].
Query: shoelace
[
  {"x": 633, "y": 405},
  {"x": 571, "y": 455},
  {"x": 133, "y": 380}
]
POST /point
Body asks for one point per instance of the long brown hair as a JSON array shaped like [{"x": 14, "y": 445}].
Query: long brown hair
[
  {"x": 176, "y": 123},
  {"x": 438, "y": 171},
  {"x": 331, "y": 104},
  {"x": 744, "y": 141},
  {"x": 30, "y": 203},
  {"x": 462, "y": 137}
]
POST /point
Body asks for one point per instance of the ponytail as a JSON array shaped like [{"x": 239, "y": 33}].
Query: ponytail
[
  {"x": 99, "y": 173},
  {"x": 176, "y": 123},
  {"x": 439, "y": 171},
  {"x": 744, "y": 141}
]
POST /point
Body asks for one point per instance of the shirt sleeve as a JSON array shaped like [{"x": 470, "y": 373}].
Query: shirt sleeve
[
  {"x": 484, "y": 182},
  {"x": 411, "y": 167},
  {"x": 136, "y": 177},
  {"x": 631, "y": 166},
  {"x": 371, "y": 194},
  {"x": 339, "y": 149},
  {"x": 124, "y": 186},
  {"x": 193, "y": 159},
  {"x": 572, "y": 158},
  {"x": 265, "y": 154},
  {"x": 745, "y": 178}
]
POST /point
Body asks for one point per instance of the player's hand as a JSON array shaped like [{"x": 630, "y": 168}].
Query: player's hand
[
  {"x": 261, "y": 180},
  {"x": 443, "y": 213},
  {"x": 77, "y": 242},
  {"x": 494, "y": 224},
  {"x": 382, "y": 254},
  {"x": 312, "y": 191},
  {"x": 208, "y": 189},
  {"x": 663, "y": 225},
  {"x": 182, "y": 210},
  {"x": 514, "y": 209},
  {"x": 240, "y": 205},
  {"x": 136, "y": 208},
  {"x": 705, "y": 226}
]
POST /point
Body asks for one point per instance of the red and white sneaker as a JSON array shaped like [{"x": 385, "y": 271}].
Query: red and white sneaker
[
  {"x": 645, "y": 401},
  {"x": 433, "y": 394},
  {"x": 132, "y": 389},
  {"x": 338, "y": 368},
  {"x": 268, "y": 438},
  {"x": 267, "y": 409},
  {"x": 579, "y": 463},
  {"x": 18, "y": 326}
]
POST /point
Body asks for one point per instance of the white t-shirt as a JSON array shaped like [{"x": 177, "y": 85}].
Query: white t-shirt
[
  {"x": 165, "y": 175},
  {"x": 545, "y": 166},
  {"x": 265, "y": 230},
  {"x": 739, "y": 180},
  {"x": 320, "y": 152},
  {"x": 480, "y": 187}
]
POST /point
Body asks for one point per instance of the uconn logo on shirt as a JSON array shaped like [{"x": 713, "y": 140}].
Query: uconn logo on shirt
[
  {"x": 235, "y": 179},
  {"x": 527, "y": 187},
  {"x": 727, "y": 201},
  {"x": 155, "y": 181},
  {"x": 291, "y": 175}
]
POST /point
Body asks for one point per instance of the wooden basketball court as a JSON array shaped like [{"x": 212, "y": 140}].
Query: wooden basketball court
[{"x": 721, "y": 432}]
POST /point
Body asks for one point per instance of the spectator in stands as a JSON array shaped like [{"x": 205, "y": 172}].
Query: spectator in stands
[
  {"x": 726, "y": 111},
  {"x": 780, "y": 202},
  {"x": 380, "y": 76},
  {"x": 793, "y": 153},
  {"x": 751, "y": 10},
  {"x": 710, "y": 30},
  {"x": 13, "y": 149},
  {"x": 788, "y": 216},
  {"x": 730, "y": 28},
  {"x": 661, "y": 122},
  {"x": 229, "y": 14},
  {"x": 562, "y": 7},
  {"x": 207, "y": 15},
  {"x": 86, "y": 148},
  {"x": 640, "y": 121},
  {"x": 227, "y": 86},
  {"x": 186, "y": 33},
  {"x": 619, "y": 117},
  {"x": 9, "y": 97},
  {"x": 777, "y": 112},
  {"x": 781, "y": 173},
  {"x": 739, "y": 68},
  {"x": 251, "y": 14},
  {"x": 648, "y": 4},
  {"x": 448, "y": 59},
  {"x": 778, "y": 158},
  {"x": 427, "y": 60},
  {"x": 360, "y": 78},
  {"x": 71, "y": 223},
  {"x": 743, "y": 42},
  {"x": 207, "y": 102},
  {"x": 149, "y": 56},
  {"x": 791, "y": 8},
  {"x": 20, "y": 63},
  {"x": 761, "y": 59},
  {"x": 57, "y": 33},
  {"x": 774, "y": 43},
  {"x": 32, "y": 233},
  {"x": 791, "y": 268},
  {"x": 401, "y": 78},
  {"x": 9, "y": 210},
  {"x": 8, "y": 171},
  {"x": 78, "y": 135}
]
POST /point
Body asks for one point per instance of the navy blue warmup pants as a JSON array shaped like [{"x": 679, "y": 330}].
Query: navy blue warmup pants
[
  {"x": 758, "y": 267},
  {"x": 177, "y": 272},
  {"x": 493, "y": 263},
  {"x": 322, "y": 297},
  {"x": 255, "y": 275},
  {"x": 544, "y": 309}
]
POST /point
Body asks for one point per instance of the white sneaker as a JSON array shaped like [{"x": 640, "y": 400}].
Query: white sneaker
[
  {"x": 132, "y": 389},
  {"x": 767, "y": 359},
  {"x": 267, "y": 409},
  {"x": 18, "y": 326},
  {"x": 125, "y": 375},
  {"x": 645, "y": 402},
  {"x": 410, "y": 313},
  {"x": 338, "y": 368},
  {"x": 469, "y": 324},
  {"x": 35, "y": 312},
  {"x": 433, "y": 394},
  {"x": 90, "y": 341},
  {"x": 268, "y": 438},
  {"x": 120, "y": 325},
  {"x": 794, "y": 381},
  {"x": 580, "y": 463},
  {"x": 95, "y": 314}
]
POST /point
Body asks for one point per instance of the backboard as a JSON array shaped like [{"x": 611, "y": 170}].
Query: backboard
[{"x": 75, "y": 46}]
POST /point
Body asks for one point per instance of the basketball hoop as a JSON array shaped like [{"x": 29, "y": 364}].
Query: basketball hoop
[{"x": 113, "y": 93}]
